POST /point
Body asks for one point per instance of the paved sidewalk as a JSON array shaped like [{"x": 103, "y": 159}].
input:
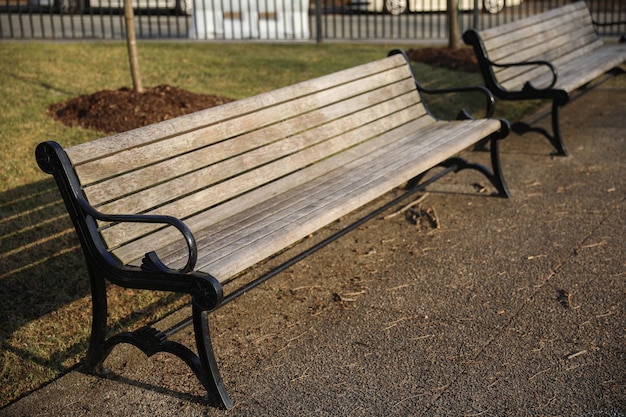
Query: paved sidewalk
[{"x": 511, "y": 308}]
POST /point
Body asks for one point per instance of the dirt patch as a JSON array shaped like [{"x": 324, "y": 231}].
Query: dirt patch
[
  {"x": 461, "y": 59},
  {"x": 114, "y": 111}
]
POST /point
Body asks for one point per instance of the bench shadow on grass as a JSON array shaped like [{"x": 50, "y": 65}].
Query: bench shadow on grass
[
  {"x": 41, "y": 271},
  {"x": 45, "y": 303},
  {"x": 41, "y": 265}
]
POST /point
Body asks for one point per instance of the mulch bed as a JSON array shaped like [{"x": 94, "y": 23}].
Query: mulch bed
[{"x": 114, "y": 111}]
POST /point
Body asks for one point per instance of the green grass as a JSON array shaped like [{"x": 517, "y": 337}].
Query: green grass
[{"x": 44, "y": 289}]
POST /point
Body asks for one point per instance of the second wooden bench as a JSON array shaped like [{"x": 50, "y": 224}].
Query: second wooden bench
[{"x": 546, "y": 56}]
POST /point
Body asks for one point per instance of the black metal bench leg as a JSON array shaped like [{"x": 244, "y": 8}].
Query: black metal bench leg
[
  {"x": 96, "y": 353},
  {"x": 555, "y": 138},
  {"x": 457, "y": 164},
  {"x": 213, "y": 381},
  {"x": 203, "y": 364},
  {"x": 496, "y": 177},
  {"x": 415, "y": 181},
  {"x": 151, "y": 341}
]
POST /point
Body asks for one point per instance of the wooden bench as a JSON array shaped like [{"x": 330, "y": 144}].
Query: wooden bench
[
  {"x": 546, "y": 56},
  {"x": 187, "y": 204}
]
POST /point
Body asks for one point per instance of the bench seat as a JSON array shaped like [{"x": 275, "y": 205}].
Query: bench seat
[
  {"x": 188, "y": 204},
  {"x": 348, "y": 181}
]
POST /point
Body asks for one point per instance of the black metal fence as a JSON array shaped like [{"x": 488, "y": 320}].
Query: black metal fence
[{"x": 301, "y": 20}]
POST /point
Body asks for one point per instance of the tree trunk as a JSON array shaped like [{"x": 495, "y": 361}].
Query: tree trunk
[
  {"x": 131, "y": 42},
  {"x": 454, "y": 37}
]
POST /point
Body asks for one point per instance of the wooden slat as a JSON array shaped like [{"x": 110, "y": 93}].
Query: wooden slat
[
  {"x": 251, "y": 236},
  {"x": 147, "y": 135},
  {"x": 388, "y": 159},
  {"x": 297, "y": 225},
  {"x": 282, "y": 157},
  {"x": 552, "y": 36},
  {"x": 297, "y": 105},
  {"x": 538, "y": 19},
  {"x": 531, "y": 34},
  {"x": 223, "y": 156},
  {"x": 226, "y": 190},
  {"x": 515, "y": 77},
  {"x": 333, "y": 179},
  {"x": 238, "y": 126},
  {"x": 272, "y": 190},
  {"x": 548, "y": 42},
  {"x": 584, "y": 69},
  {"x": 577, "y": 68}
]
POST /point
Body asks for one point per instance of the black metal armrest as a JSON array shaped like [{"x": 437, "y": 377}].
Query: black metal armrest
[
  {"x": 151, "y": 260},
  {"x": 463, "y": 113},
  {"x": 528, "y": 85},
  {"x": 613, "y": 23},
  {"x": 622, "y": 38}
]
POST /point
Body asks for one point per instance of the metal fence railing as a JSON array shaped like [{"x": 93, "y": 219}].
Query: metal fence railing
[{"x": 317, "y": 20}]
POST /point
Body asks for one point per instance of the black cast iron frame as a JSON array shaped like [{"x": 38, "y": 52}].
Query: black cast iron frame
[{"x": 206, "y": 292}]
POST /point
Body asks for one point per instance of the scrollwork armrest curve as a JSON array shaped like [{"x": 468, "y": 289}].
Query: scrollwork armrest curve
[
  {"x": 528, "y": 85},
  {"x": 151, "y": 261}
]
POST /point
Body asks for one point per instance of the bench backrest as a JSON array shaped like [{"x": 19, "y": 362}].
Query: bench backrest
[
  {"x": 557, "y": 35},
  {"x": 227, "y": 158}
]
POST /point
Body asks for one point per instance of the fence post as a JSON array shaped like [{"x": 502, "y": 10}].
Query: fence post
[
  {"x": 476, "y": 14},
  {"x": 318, "y": 21}
]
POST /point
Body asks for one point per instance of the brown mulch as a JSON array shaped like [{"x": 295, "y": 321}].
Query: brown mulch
[
  {"x": 113, "y": 111},
  {"x": 461, "y": 59}
]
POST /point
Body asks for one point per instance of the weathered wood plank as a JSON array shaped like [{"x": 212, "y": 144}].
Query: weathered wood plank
[
  {"x": 137, "y": 157},
  {"x": 544, "y": 44},
  {"x": 388, "y": 160},
  {"x": 222, "y": 191},
  {"x": 300, "y": 224},
  {"x": 524, "y": 31},
  {"x": 584, "y": 69},
  {"x": 577, "y": 68},
  {"x": 515, "y": 77},
  {"x": 264, "y": 141},
  {"x": 147, "y": 135},
  {"x": 386, "y": 167},
  {"x": 279, "y": 153},
  {"x": 535, "y": 20},
  {"x": 275, "y": 189}
]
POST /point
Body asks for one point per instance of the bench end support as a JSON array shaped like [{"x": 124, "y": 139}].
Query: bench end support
[{"x": 555, "y": 138}]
